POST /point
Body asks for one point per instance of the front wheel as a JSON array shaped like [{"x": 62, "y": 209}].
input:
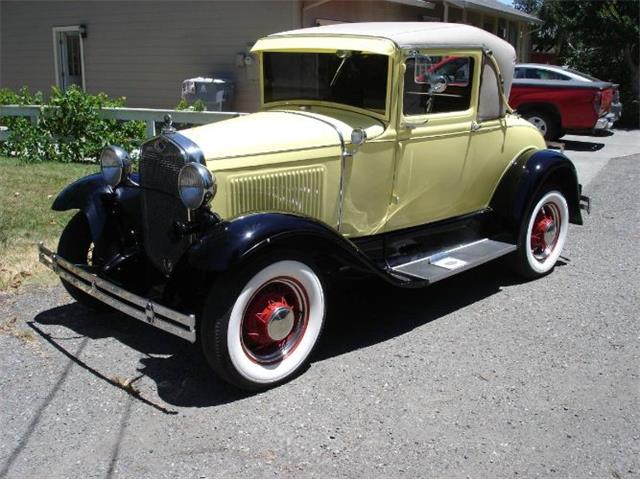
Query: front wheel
[
  {"x": 260, "y": 330},
  {"x": 543, "y": 233}
]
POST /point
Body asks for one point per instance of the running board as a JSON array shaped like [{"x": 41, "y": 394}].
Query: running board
[{"x": 446, "y": 263}]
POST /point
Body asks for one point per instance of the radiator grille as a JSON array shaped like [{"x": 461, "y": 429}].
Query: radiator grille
[
  {"x": 160, "y": 164},
  {"x": 298, "y": 191}
]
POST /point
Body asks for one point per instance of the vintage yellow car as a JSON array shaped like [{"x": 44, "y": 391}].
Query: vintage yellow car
[{"x": 380, "y": 148}]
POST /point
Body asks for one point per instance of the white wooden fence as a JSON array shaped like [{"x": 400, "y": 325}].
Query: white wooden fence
[{"x": 150, "y": 116}]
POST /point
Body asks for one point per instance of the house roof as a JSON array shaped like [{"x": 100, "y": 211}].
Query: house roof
[{"x": 495, "y": 7}]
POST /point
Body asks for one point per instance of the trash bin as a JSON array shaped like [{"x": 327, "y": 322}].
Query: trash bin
[{"x": 215, "y": 93}]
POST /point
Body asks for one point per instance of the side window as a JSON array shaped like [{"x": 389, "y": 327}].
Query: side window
[
  {"x": 551, "y": 75},
  {"x": 544, "y": 74},
  {"x": 437, "y": 84},
  {"x": 532, "y": 73}
]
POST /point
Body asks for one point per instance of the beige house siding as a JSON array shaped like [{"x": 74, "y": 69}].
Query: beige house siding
[
  {"x": 142, "y": 50},
  {"x": 360, "y": 11}
]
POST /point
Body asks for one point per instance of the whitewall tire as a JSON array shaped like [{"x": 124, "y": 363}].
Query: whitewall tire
[
  {"x": 262, "y": 330},
  {"x": 543, "y": 234}
]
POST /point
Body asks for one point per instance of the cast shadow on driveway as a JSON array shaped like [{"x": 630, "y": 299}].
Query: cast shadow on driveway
[
  {"x": 580, "y": 146},
  {"x": 365, "y": 313}
]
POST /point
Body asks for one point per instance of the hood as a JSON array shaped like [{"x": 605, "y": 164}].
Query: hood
[{"x": 278, "y": 131}]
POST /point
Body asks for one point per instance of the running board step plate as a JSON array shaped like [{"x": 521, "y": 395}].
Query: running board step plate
[{"x": 444, "y": 264}]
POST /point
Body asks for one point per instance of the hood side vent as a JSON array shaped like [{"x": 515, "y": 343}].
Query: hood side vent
[{"x": 292, "y": 190}]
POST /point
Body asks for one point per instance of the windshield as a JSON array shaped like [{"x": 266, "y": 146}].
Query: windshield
[{"x": 351, "y": 78}]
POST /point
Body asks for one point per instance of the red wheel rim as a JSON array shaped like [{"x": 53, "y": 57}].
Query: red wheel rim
[
  {"x": 274, "y": 320},
  {"x": 545, "y": 231}
]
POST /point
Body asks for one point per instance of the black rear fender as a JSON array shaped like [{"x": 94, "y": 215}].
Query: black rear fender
[{"x": 526, "y": 176}]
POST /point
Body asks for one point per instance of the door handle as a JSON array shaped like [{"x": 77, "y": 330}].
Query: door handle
[{"x": 475, "y": 126}]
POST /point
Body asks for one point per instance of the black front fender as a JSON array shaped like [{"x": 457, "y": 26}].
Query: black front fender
[
  {"x": 89, "y": 195},
  {"x": 85, "y": 194},
  {"x": 526, "y": 175},
  {"x": 231, "y": 242}
]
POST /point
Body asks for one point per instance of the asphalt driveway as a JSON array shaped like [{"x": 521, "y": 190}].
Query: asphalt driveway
[{"x": 479, "y": 375}]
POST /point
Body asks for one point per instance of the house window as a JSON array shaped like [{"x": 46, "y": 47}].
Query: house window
[
  {"x": 502, "y": 28},
  {"x": 69, "y": 56},
  {"x": 513, "y": 35},
  {"x": 489, "y": 24}
]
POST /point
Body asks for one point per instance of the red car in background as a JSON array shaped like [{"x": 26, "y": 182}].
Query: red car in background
[{"x": 558, "y": 100}]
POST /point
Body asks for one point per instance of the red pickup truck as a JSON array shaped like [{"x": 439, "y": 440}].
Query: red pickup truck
[{"x": 558, "y": 101}]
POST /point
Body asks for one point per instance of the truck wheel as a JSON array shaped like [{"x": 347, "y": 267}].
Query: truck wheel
[
  {"x": 76, "y": 246},
  {"x": 261, "y": 329},
  {"x": 543, "y": 232},
  {"x": 544, "y": 122}
]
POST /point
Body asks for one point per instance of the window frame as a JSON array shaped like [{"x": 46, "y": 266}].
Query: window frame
[
  {"x": 442, "y": 117},
  {"x": 385, "y": 116},
  {"x": 56, "y": 31}
]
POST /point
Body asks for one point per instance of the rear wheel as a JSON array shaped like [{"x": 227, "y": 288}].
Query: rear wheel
[
  {"x": 543, "y": 233},
  {"x": 544, "y": 122},
  {"x": 261, "y": 330},
  {"x": 76, "y": 246}
]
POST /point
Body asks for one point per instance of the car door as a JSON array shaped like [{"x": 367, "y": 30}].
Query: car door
[
  {"x": 439, "y": 95},
  {"x": 493, "y": 143}
]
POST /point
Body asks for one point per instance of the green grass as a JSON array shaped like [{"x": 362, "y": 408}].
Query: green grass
[{"x": 26, "y": 194}]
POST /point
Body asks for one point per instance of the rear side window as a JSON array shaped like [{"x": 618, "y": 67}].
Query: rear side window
[
  {"x": 540, "y": 74},
  {"x": 437, "y": 84}
]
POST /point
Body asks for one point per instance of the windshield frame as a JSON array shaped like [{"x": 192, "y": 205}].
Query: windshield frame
[{"x": 324, "y": 103}]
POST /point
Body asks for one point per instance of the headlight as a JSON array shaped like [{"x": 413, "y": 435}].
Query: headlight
[
  {"x": 196, "y": 185},
  {"x": 115, "y": 165}
]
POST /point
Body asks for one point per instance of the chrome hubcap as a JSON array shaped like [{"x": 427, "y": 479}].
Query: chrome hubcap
[
  {"x": 545, "y": 231},
  {"x": 550, "y": 233},
  {"x": 280, "y": 323},
  {"x": 274, "y": 320}
]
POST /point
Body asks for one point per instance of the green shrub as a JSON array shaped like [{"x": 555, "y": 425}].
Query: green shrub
[
  {"x": 21, "y": 97},
  {"x": 197, "y": 106},
  {"x": 69, "y": 128}
]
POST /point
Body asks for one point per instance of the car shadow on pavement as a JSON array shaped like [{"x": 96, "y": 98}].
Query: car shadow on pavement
[
  {"x": 365, "y": 313},
  {"x": 373, "y": 312},
  {"x": 581, "y": 146}
]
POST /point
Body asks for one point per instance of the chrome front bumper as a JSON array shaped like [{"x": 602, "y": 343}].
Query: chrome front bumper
[{"x": 143, "y": 309}]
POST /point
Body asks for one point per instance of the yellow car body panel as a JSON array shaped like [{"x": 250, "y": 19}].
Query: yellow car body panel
[{"x": 297, "y": 156}]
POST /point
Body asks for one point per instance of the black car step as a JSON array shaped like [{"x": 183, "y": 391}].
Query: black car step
[{"x": 446, "y": 263}]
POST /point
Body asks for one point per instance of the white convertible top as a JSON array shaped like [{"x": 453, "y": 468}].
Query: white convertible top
[{"x": 422, "y": 34}]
